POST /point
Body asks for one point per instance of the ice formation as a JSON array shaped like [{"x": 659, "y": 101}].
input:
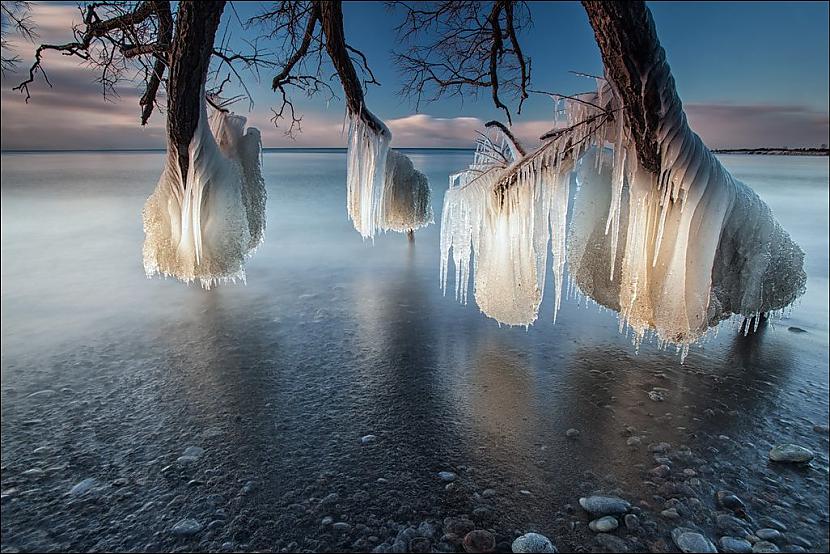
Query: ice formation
[
  {"x": 202, "y": 228},
  {"x": 384, "y": 190},
  {"x": 407, "y": 204},
  {"x": 673, "y": 253}
]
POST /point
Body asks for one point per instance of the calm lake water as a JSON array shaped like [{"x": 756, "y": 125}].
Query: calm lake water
[{"x": 333, "y": 338}]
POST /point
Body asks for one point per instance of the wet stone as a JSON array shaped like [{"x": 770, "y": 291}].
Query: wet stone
[
  {"x": 689, "y": 540},
  {"x": 790, "y": 453},
  {"x": 186, "y": 528},
  {"x": 765, "y": 546},
  {"x": 479, "y": 541},
  {"x": 532, "y": 542},
  {"x": 83, "y": 487},
  {"x": 728, "y": 500},
  {"x": 604, "y": 524},
  {"x": 604, "y": 505},
  {"x": 768, "y": 534},
  {"x": 611, "y": 543},
  {"x": 632, "y": 522},
  {"x": 735, "y": 545}
]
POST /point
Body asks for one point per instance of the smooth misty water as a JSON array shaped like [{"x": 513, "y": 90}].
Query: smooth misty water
[{"x": 334, "y": 338}]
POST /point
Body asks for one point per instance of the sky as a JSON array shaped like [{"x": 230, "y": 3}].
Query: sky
[{"x": 749, "y": 74}]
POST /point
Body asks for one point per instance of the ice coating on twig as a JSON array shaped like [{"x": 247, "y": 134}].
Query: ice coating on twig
[
  {"x": 203, "y": 229},
  {"x": 407, "y": 204},
  {"x": 673, "y": 253},
  {"x": 384, "y": 191}
]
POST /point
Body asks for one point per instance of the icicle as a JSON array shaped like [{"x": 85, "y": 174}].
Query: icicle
[
  {"x": 673, "y": 253},
  {"x": 365, "y": 172},
  {"x": 406, "y": 201},
  {"x": 202, "y": 229},
  {"x": 384, "y": 191}
]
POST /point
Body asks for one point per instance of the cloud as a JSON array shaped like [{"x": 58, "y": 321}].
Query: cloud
[{"x": 748, "y": 126}]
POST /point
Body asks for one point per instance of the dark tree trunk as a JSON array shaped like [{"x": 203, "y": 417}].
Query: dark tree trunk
[
  {"x": 331, "y": 18},
  {"x": 196, "y": 24},
  {"x": 636, "y": 66}
]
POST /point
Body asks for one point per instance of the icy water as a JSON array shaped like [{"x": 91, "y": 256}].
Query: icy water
[{"x": 109, "y": 377}]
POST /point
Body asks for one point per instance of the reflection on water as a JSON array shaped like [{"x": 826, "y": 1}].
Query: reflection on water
[{"x": 334, "y": 338}]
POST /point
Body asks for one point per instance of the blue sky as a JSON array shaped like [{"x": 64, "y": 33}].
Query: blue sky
[{"x": 749, "y": 74}]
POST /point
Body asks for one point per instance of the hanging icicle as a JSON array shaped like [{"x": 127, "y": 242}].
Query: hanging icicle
[
  {"x": 203, "y": 229},
  {"x": 407, "y": 202},
  {"x": 673, "y": 253},
  {"x": 384, "y": 190}
]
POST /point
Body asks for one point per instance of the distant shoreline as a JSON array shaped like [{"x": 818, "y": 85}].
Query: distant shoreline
[
  {"x": 774, "y": 151},
  {"x": 318, "y": 149}
]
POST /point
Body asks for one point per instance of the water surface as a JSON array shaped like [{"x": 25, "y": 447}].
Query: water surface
[{"x": 333, "y": 338}]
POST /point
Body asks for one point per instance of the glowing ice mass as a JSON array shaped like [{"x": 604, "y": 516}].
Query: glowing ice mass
[{"x": 673, "y": 253}]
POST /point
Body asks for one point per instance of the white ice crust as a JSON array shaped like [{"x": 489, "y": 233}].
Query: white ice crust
[
  {"x": 202, "y": 229},
  {"x": 673, "y": 253}
]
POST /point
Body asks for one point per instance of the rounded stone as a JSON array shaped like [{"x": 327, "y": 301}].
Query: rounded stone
[
  {"x": 447, "y": 476},
  {"x": 790, "y": 453},
  {"x": 604, "y": 524},
  {"x": 689, "y": 540},
  {"x": 532, "y": 542},
  {"x": 736, "y": 545},
  {"x": 479, "y": 540},
  {"x": 768, "y": 534},
  {"x": 765, "y": 546},
  {"x": 186, "y": 528},
  {"x": 604, "y": 505}
]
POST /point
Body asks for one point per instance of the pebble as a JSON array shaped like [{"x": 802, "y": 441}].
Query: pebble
[
  {"x": 632, "y": 522},
  {"x": 768, "y": 534},
  {"x": 532, "y": 542},
  {"x": 328, "y": 520},
  {"x": 671, "y": 513},
  {"x": 479, "y": 540},
  {"x": 661, "y": 471},
  {"x": 764, "y": 546},
  {"x": 194, "y": 451},
  {"x": 611, "y": 543},
  {"x": 633, "y": 441},
  {"x": 736, "y": 545},
  {"x": 791, "y": 453},
  {"x": 366, "y": 439},
  {"x": 604, "y": 505},
  {"x": 447, "y": 476},
  {"x": 729, "y": 500},
  {"x": 83, "y": 487},
  {"x": 488, "y": 493},
  {"x": 604, "y": 524},
  {"x": 572, "y": 433},
  {"x": 689, "y": 540},
  {"x": 341, "y": 526},
  {"x": 186, "y": 528}
]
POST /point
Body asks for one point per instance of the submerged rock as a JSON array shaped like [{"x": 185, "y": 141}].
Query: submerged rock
[
  {"x": 186, "y": 528},
  {"x": 83, "y": 487},
  {"x": 532, "y": 542},
  {"x": 735, "y": 545},
  {"x": 689, "y": 540},
  {"x": 791, "y": 453},
  {"x": 604, "y": 505}
]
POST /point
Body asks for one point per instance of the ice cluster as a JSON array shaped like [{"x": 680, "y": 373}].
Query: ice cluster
[
  {"x": 674, "y": 253},
  {"x": 384, "y": 191},
  {"x": 202, "y": 228}
]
